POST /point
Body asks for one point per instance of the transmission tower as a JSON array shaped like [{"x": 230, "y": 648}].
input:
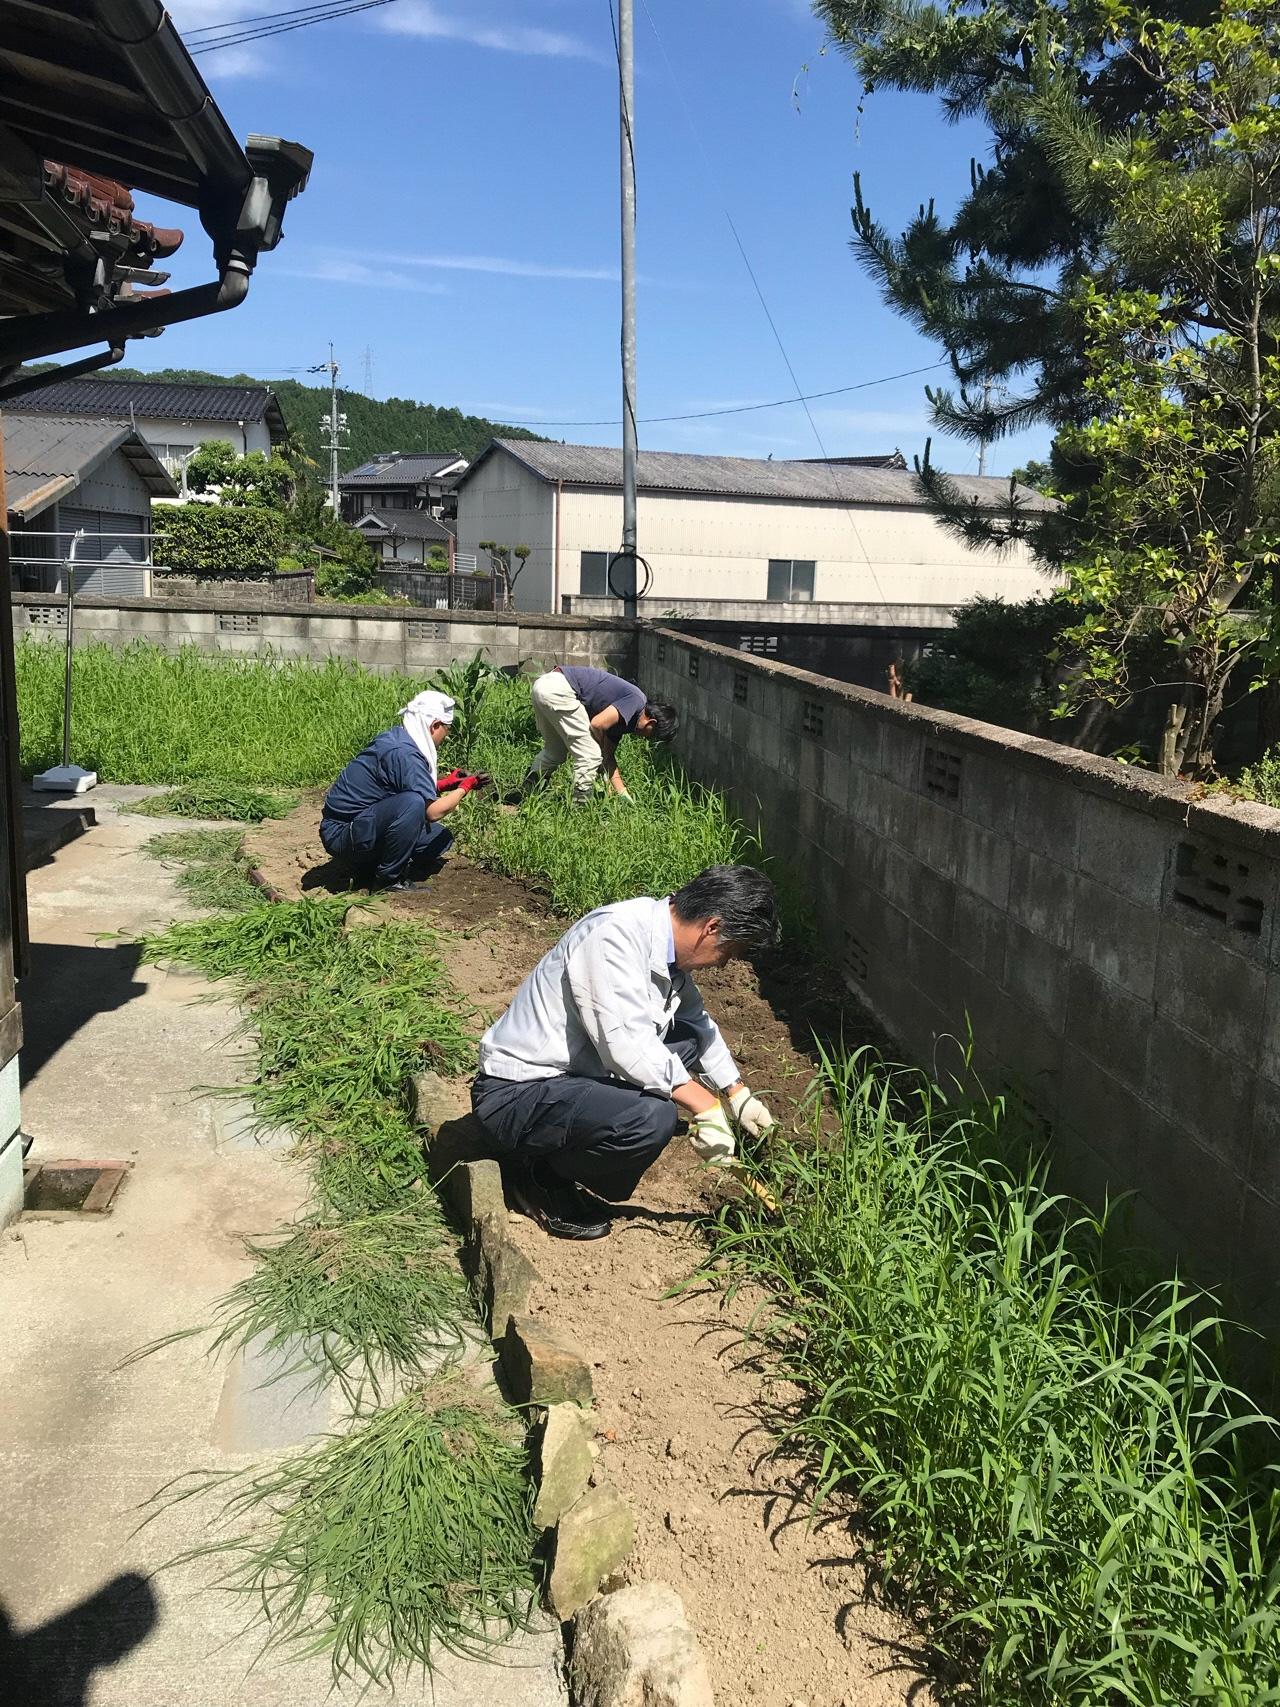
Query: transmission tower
[{"x": 368, "y": 371}]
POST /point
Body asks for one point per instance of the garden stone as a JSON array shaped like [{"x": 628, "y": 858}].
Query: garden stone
[
  {"x": 592, "y": 1541},
  {"x": 473, "y": 1191},
  {"x": 539, "y": 1368},
  {"x": 507, "y": 1278},
  {"x": 635, "y": 1649},
  {"x": 434, "y": 1100},
  {"x": 564, "y": 1467}
]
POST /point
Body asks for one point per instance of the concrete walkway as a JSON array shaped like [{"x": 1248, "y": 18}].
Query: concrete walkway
[{"x": 114, "y": 1050}]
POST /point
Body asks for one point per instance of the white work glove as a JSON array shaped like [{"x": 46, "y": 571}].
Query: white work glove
[
  {"x": 712, "y": 1136},
  {"x": 750, "y": 1113}
]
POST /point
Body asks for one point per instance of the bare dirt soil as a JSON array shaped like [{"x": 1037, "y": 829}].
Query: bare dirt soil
[{"x": 782, "y": 1605}]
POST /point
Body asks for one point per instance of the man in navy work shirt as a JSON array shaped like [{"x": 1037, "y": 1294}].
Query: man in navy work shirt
[
  {"x": 606, "y": 1047},
  {"x": 582, "y": 714},
  {"x": 383, "y": 813}
]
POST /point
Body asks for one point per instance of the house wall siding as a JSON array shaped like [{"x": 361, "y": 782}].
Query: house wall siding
[
  {"x": 718, "y": 548},
  {"x": 502, "y": 501}
]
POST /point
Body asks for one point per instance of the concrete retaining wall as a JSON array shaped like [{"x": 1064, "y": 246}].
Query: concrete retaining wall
[
  {"x": 389, "y": 640},
  {"x": 1114, "y": 941}
]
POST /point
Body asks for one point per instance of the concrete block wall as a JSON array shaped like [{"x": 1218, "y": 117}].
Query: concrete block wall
[
  {"x": 398, "y": 639},
  {"x": 1113, "y": 940}
]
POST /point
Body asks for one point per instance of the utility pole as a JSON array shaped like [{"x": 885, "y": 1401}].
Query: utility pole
[
  {"x": 333, "y": 426},
  {"x": 626, "y": 579}
]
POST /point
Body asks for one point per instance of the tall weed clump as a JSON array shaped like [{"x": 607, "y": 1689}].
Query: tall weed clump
[
  {"x": 608, "y": 849},
  {"x": 1055, "y": 1468},
  {"x": 144, "y": 715}
]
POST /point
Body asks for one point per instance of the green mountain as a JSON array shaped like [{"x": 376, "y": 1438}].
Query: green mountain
[{"x": 396, "y": 423}]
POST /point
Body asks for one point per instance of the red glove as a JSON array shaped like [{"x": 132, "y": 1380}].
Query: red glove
[
  {"x": 450, "y": 781},
  {"x": 467, "y": 783}
]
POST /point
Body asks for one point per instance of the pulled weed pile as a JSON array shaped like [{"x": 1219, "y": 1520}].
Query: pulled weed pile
[
  {"x": 228, "y": 800},
  {"x": 213, "y": 871},
  {"x": 411, "y": 1533},
  {"x": 1057, "y": 1471},
  {"x": 389, "y": 1544}
]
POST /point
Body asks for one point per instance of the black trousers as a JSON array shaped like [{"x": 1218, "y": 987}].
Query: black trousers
[{"x": 599, "y": 1133}]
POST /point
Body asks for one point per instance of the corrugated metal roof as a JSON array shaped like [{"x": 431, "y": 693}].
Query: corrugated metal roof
[
  {"x": 46, "y": 457},
  {"x": 409, "y": 524},
  {"x": 406, "y": 470},
  {"x": 112, "y": 399},
  {"x": 743, "y": 477}
]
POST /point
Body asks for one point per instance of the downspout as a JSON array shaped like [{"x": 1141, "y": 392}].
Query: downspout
[
  {"x": 555, "y": 554},
  {"x": 244, "y": 439}
]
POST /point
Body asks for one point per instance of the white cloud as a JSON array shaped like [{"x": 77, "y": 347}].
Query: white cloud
[
  {"x": 246, "y": 59},
  {"x": 426, "y": 20},
  {"x": 500, "y": 264},
  {"x": 334, "y": 270}
]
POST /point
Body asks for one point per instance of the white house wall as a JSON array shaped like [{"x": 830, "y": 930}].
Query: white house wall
[
  {"x": 167, "y": 430},
  {"x": 719, "y": 548},
  {"x": 502, "y": 501}
]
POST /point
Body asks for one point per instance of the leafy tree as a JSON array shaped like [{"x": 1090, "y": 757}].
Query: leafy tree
[
  {"x": 507, "y": 563},
  {"x": 1167, "y": 297},
  {"x": 252, "y": 479},
  {"x": 997, "y": 284},
  {"x": 998, "y": 663}
]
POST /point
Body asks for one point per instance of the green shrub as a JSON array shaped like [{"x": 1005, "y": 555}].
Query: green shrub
[
  {"x": 1261, "y": 781},
  {"x": 217, "y": 540}
]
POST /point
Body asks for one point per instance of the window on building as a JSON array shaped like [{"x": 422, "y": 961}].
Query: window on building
[
  {"x": 791, "y": 580},
  {"x": 593, "y": 575}
]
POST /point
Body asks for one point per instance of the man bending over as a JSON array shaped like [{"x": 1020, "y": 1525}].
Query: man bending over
[
  {"x": 581, "y": 715},
  {"x": 584, "y": 1078}
]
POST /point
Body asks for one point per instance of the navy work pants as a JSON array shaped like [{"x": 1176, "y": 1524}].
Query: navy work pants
[
  {"x": 380, "y": 842},
  {"x": 599, "y": 1133}
]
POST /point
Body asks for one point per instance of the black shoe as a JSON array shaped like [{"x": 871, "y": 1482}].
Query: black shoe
[
  {"x": 556, "y": 1205},
  {"x": 402, "y": 886}
]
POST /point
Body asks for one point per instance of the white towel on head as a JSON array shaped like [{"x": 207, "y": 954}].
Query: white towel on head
[{"x": 420, "y": 713}]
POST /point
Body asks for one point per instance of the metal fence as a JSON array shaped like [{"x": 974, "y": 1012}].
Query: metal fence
[{"x": 442, "y": 592}]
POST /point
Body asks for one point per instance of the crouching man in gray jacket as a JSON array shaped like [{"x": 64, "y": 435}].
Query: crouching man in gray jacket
[{"x": 584, "y": 1078}]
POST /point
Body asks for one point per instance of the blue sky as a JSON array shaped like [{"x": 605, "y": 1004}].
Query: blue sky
[{"x": 461, "y": 220}]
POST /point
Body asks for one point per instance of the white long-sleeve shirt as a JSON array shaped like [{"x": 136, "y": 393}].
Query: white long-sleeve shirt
[{"x": 600, "y": 1005}]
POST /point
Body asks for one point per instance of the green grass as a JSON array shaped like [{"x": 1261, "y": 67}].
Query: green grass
[
  {"x": 143, "y": 715},
  {"x": 233, "y": 801},
  {"x": 1260, "y": 782},
  {"x": 212, "y": 870},
  {"x": 607, "y": 850},
  {"x": 409, "y": 1536},
  {"x": 1053, "y": 1467}
]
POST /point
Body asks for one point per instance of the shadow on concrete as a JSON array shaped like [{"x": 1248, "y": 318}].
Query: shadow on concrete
[
  {"x": 47, "y": 828},
  {"x": 66, "y": 987},
  {"x": 53, "y": 1666}
]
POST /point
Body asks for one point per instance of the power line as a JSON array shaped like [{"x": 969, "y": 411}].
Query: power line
[
  {"x": 313, "y": 15},
  {"x": 746, "y": 408},
  {"x": 261, "y": 18}
]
